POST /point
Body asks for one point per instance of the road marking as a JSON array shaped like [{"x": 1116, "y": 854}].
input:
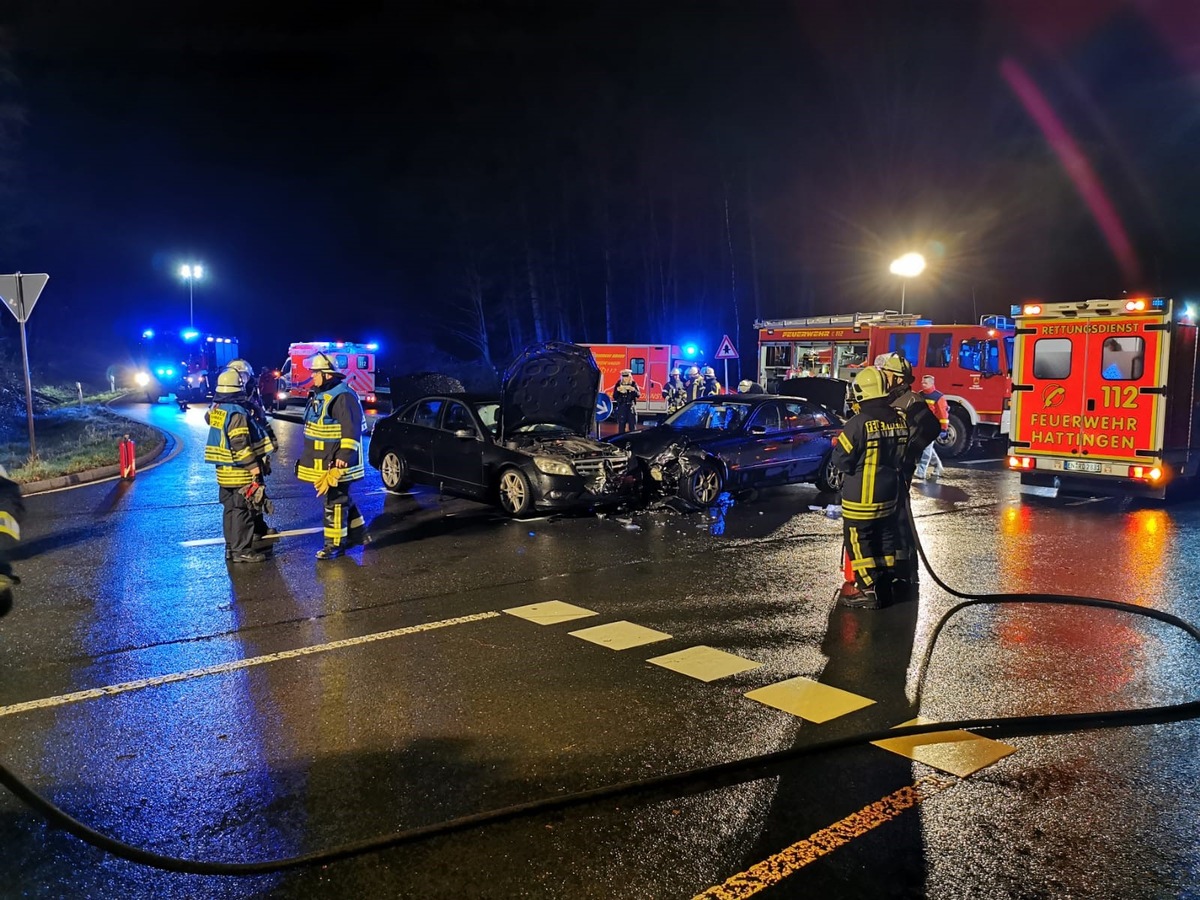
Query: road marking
[
  {"x": 977, "y": 462},
  {"x": 809, "y": 699},
  {"x": 208, "y": 542},
  {"x": 233, "y": 666},
  {"x": 620, "y": 635},
  {"x": 778, "y": 866},
  {"x": 956, "y": 752}
]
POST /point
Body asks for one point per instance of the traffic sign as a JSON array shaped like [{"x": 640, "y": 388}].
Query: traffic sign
[
  {"x": 726, "y": 350},
  {"x": 604, "y": 406},
  {"x": 20, "y": 292}
]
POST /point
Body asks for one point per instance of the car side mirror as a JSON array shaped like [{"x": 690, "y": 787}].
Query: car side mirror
[
  {"x": 465, "y": 434},
  {"x": 758, "y": 429}
]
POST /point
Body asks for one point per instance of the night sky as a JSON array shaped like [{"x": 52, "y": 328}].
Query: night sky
[{"x": 657, "y": 170}]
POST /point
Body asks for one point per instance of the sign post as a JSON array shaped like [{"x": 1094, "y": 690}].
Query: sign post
[
  {"x": 20, "y": 293},
  {"x": 727, "y": 352}
]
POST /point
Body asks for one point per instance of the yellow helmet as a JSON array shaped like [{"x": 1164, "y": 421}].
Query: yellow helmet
[
  {"x": 229, "y": 382},
  {"x": 868, "y": 385},
  {"x": 243, "y": 368},
  {"x": 896, "y": 370},
  {"x": 321, "y": 362}
]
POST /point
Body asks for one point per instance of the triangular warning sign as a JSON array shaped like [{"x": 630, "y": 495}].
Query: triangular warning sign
[
  {"x": 20, "y": 298},
  {"x": 726, "y": 350}
]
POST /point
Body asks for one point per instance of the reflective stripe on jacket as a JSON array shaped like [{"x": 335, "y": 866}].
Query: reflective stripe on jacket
[
  {"x": 937, "y": 403},
  {"x": 232, "y": 439},
  {"x": 332, "y": 431},
  {"x": 870, "y": 450}
]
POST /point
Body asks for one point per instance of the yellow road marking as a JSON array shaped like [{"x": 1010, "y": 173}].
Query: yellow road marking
[
  {"x": 620, "y": 635},
  {"x": 705, "y": 663},
  {"x": 790, "y": 860},
  {"x": 960, "y": 753},
  {"x": 551, "y": 612},
  {"x": 809, "y": 699}
]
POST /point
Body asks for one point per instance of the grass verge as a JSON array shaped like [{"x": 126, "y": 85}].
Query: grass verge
[{"x": 70, "y": 439}]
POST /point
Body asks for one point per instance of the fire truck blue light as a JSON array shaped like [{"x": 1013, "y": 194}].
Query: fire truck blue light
[
  {"x": 190, "y": 335},
  {"x": 689, "y": 350},
  {"x": 148, "y": 333}
]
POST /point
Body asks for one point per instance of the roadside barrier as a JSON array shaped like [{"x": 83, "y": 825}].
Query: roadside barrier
[{"x": 127, "y": 451}]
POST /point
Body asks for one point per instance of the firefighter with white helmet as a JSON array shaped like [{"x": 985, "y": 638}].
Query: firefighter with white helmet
[
  {"x": 237, "y": 446},
  {"x": 712, "y": 387},
  {"x": 333, "y": 456},
  {"x": 870, "y": 451},
  {"x": 748, "y": 386},
  {"x": 694, "y": 384},
  {"x": 675, "y": 391},
  {"x": 626, "y": 393}
]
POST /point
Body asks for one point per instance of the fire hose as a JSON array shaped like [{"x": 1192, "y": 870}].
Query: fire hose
[{"x": 688, "y": 781}]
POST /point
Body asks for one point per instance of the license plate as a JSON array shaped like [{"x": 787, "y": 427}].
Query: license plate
[{"x": 1075, "y": 465}]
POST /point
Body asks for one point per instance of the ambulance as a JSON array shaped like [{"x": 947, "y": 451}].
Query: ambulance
[
  {"x": 650, "y": 364},
  {"x": 971, "y": 364},
  {"x": 1105, "y": 397},
  {"x": 355, "y": 361}
]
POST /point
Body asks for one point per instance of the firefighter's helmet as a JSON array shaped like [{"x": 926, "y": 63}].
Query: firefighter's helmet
[
  {"x": 693, "y": 371},
  {"x": 321, "y": 362},
  {"x": 897, "y": 371},
  {"x": 244, "y": 369},
  {"x": 709, "y": 372},
  {"x": 869, "y": 384},
  {"x": 744, "y": 385},
  {"x": 229, "y": 382},
  {"x": 675, "y": 372},
  {"x": 625, "y": 372}
]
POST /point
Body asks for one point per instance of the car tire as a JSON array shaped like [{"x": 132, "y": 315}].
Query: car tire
[
  {"x": 704, "y": 485},
  {"x": 515, "y": 493},
  {"x": 829, "y": 477},
  {"x": 958, "y": 436},
  {"x": 393, "y": 470}
]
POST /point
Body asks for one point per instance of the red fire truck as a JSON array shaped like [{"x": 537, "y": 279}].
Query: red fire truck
[
  {"x": 650, "y": 365},
  {"x": 970, "y": 363},
  {"x": 1106, "y": 395}
]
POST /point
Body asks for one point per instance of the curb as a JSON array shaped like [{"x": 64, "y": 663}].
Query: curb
[{"x": 78, "y": 479}]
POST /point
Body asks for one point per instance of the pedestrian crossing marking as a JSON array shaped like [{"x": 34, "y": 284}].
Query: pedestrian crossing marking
[
  {"x": 620, "y": 635},
  {"x": 960, "y": 753},
  {"x": 550, "y": 613},
  {"x": 809, "y": 699},
  {"x": 705, "y": 663}
]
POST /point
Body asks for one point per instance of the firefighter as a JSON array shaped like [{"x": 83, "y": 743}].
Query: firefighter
[
  {"x": 675, "y": 392},
  {"x": 12, "y": 511},
  {"x": 936, "y": 401},
  {"x": 712, "y": 387},
  {"x": 626, "y": 394},
  {"x": 267, "y": 436},
  {"x": 333, "y": 456},
  {"x": 694, "y": 384},
  {"x": 746, "y": 386},
  {"x": 870, "y": 451},
  {"x": 234, "y": 445}
]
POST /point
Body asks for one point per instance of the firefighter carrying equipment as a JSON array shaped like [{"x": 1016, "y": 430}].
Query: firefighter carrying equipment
[
  {"x": 332, "y": 431},
  {"x": 329, "y": 480},
  {"x": 236, "y": 443},
  {"x": 256, "y": 495}
]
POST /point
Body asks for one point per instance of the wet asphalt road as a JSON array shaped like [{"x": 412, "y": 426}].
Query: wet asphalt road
[{"x": 255, "y": 756}]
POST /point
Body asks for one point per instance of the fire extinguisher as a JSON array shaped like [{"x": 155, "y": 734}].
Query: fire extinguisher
[{"x": 127, "y": 451}]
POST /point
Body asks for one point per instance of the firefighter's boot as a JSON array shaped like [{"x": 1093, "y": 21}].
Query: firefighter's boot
[
  {"x": 331, "y": 551},
  {"x": 860, "y": 599}
]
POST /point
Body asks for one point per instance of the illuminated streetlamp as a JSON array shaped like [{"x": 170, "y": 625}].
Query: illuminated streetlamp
[
  {"x": 910, "y": 265},
  {"x": 193, "y": 274}
]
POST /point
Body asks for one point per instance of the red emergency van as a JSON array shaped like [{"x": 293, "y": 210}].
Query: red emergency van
[
  {"x": 650, "y": 365},
  {"x": 355, "y": 361},
  {"x": 1105, "y": 397}
]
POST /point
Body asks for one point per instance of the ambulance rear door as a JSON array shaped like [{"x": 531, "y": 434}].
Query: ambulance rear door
[{"x": 1048, "y": 384}]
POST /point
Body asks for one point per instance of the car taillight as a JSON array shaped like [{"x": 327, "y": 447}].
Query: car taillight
[
  {"x": 1145, "y": 473},
  {"x": 1022, "y": 462}
]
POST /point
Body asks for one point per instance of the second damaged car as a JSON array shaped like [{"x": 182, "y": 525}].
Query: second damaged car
[{"x": 525, "y": 450}]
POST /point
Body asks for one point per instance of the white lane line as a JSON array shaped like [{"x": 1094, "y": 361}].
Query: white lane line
[
  {"x": 124, "y": 687},
  {"x": 208, "y": 542}
]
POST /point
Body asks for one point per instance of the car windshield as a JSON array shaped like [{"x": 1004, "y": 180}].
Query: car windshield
[
  {"x": 488, "y": 412},
  {"x": 716, "y": 415}
]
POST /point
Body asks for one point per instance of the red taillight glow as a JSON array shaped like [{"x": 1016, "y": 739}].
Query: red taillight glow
[
  {"x": 1022, "y": 462},
  {"x": 1135, "y": 306},
  {"x": 1145, "y": 473},
  {"x": 1032, "y": 309}
]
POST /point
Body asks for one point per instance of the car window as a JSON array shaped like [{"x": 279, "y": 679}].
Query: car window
[
  {"x": 719, "y": 416},
  {"x": 804, "y": 415},
  {"x": 487, "y": 413},
  {"x": 457, "y": 417},
  {"x": 423, "y": 413},
  {"x": 767, "y": 417},
  {"x": 1123, "y": 359}
]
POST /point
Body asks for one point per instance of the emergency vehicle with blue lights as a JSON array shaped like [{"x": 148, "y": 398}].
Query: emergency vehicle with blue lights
[
  {"x": 184, "y": 363},
  {"x": 650, "y": 364},
  {"x": 1105, "y": 397},
  {"x": 356, "y": 361},
  {"x": 971, "y": 364}
]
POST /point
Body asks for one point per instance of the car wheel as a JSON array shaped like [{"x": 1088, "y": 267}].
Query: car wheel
[
  {"x": 516, "y": 493},
  {"x": 829, "y": 476},
  {"x": 704, "y": 485},
  {"x": 393, "y": 469},
  {"x": 958, "y": 437}
]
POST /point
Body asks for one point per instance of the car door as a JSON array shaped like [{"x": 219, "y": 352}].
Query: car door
[
  {"x": 458, "y": 447},
  {"x": 765, "y": 456},
  {"x": 812, "y": 430},
  {"x": 421, "y": 420}
]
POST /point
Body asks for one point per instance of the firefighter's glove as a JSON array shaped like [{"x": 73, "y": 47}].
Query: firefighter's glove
[
  {"x": 327, "y": 481},
  {"x": 256, "y": 495}
]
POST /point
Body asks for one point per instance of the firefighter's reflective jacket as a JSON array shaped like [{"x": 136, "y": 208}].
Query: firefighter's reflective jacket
[
  {"x": 870, "y": 450},
  {"x": 332, "y": 431},
  {"x": 12, "y": 508},
  {"x": 923, "y": 428},
  {"x": 236, "y": 443}
]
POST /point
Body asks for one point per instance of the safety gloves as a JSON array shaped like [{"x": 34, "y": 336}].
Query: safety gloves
[
  {"x": 327, "y": 481},
  {"x": 256, "y": 496}
]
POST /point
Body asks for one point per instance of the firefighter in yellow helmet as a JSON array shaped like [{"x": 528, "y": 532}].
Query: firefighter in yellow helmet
[
  {"x": 333, "y": 456},
  {"x": 237, "y": 446},
  {"x": 870, "y": 451}
]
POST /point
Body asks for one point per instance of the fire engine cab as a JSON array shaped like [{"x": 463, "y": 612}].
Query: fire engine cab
[
  {"x": 1105, "y": 397},
  {"x": 971, "y": 364},
  {"x": 355, "y": 361}
]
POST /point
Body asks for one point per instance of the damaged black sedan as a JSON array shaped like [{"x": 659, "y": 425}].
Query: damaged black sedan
[
  {"x": 525, "y": 450},
  {"x": 737, "y": 442}
]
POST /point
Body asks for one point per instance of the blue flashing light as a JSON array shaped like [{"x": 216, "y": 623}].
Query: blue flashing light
[
  {"x": 189, "y": 335},
  {"x": 1158, "y": 303},
  {"x": 210, "y": 339},
  {"x": 170, "y": 372},
  {"x": 1014, "y": 310},
  {"x": 372, "y": 346},
  {"x": 158, "y": 371},
  {"x": 148, "y": 333},
  {"x": 689, "y": 350}
]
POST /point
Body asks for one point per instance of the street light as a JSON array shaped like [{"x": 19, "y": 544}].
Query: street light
[
  {"x": 193, "y": 274},
  {"x": 910, "y": 265}
]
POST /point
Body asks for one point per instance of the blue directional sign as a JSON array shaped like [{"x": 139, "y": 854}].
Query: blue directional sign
[{"x": 603, "y": 407}]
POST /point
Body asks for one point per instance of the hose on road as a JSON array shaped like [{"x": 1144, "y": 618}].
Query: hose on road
[{"x": 702, "y": 778}]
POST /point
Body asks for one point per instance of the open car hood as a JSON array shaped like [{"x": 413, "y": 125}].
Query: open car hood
[{"x": 552, "y": 383}]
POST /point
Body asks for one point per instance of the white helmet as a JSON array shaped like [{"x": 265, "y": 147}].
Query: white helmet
[
  {"x": 625, "y": 372},
  {"x": 710, "y": 372},
  {"x": 693, "y": 371},
  {"x": 744, "y": 385},
  {"x": 675, "y": 371}
]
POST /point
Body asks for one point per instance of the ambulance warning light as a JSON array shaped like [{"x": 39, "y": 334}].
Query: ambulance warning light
[
  {"x": 1135, "y": 306},
  {"x": 1031, "y": 309},
  {"x": 1022, "y": 462}
]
